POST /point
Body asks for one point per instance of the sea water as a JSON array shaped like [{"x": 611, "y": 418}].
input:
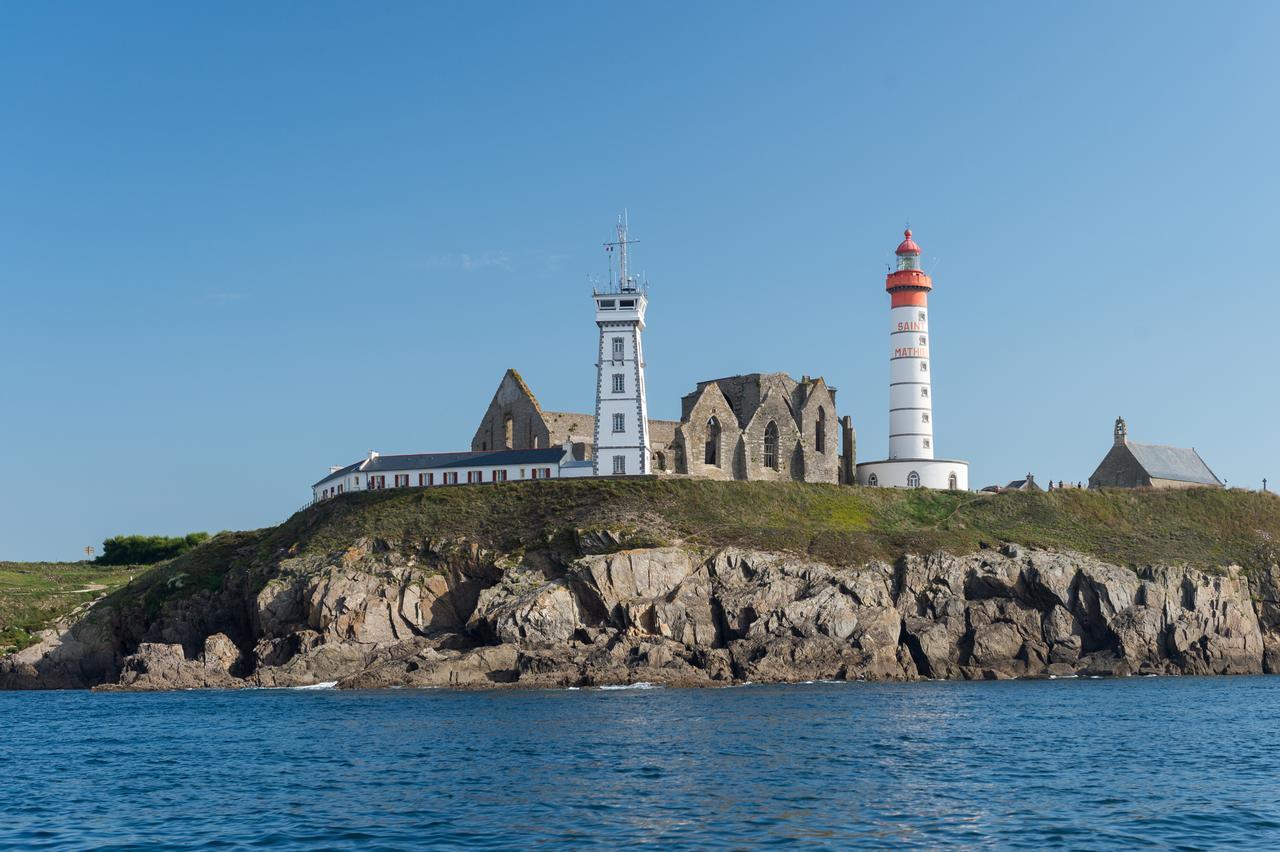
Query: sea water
[{"x": 1186, "y": 762}]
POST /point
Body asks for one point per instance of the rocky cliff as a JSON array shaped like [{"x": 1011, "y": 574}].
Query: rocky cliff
[{"x": 452, "y": 612}]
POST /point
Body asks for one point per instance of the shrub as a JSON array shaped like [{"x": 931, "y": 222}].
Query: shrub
[{"x": 147, "y": 549}]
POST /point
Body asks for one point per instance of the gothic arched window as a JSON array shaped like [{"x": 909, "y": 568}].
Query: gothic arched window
[
  {"x": 508, "y": 432},
  {"x": 913, "y": 480},
  {"x": 771, "y": 445},
  {"x": 820, "y": 431},
  {"x": 952, "y": 481},
  {"x": 873, "y": 480},
  {"x": 713, "y": 442}
]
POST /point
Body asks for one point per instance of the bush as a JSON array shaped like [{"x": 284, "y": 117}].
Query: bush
[{"x": 146, "y": 549}]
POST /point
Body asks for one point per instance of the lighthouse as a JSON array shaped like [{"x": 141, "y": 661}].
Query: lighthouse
[
  {"x": 911, "y": 462},
  {"x": 622, "y": 412}
]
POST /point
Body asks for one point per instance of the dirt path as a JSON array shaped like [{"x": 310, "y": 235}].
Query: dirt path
[{"x": 92, "y": 587}]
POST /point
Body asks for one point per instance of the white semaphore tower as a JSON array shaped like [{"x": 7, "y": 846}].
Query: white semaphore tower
[
  {"x": 911, "y": 462},
  {"x": 622, "y": 413}
]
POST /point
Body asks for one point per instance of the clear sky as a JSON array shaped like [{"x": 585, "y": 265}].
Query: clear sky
[{"x": 240, "y": 242}]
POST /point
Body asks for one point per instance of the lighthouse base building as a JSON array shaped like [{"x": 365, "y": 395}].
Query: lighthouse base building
[{"x": 915, "y": 473}]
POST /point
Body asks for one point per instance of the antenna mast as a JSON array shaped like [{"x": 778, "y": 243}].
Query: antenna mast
[{"x": 625, "y": 281}]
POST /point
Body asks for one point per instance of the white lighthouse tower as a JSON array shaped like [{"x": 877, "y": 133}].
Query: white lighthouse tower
[
  {"x": 911, "y": 462},
  {"x": 622, "y": 413}
]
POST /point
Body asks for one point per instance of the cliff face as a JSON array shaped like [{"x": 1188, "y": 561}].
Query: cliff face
[{"x": 453, "y": 613}]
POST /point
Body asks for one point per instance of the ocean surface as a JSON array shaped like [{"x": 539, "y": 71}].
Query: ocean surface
[{"x": 1192, "y": 763}]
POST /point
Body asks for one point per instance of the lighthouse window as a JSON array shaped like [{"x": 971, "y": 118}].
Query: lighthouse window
[
  {"x": 619, "y": 422},
  {"x": 619, "y": 465},
  {"x": 913, "y": 480},
  {"x": 921, "y": 316},
  {"x": 924, "y": 341},
  {"x": 606, "y": 304},
  {"x": 924, "y": 393},
  {"x": 924, "y": 417},
  {"x": 926, "y": 443},
  {"x": 952, "y": 481},
  {"x": 627, "y": 303},
  {"x": 924, "y": 366},
  {"x": 617, "y": 349},
  {"x": 617, "y": 382}
]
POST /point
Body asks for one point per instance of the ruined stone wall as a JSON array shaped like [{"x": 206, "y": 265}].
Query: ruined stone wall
[
  {"x": 818, "y": 406},
  {"x": 744, "y": 406},
  {"x": 693, "y": 433},
  {"x": 513, "y": 419},
  {"x": 790, "y": 460}
]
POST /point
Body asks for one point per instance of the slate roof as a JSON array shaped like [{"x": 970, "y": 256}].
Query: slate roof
[
  {"x": 417, "y": 461},
  {"x": 382, "y": 464},
  {"x": 338, "y": 474},
  {"x": 543, "y": 455},
  {"x": 1176, "y": 463}
]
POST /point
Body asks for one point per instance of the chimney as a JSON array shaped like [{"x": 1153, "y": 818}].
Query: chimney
[{"x": 334, "y": 468}]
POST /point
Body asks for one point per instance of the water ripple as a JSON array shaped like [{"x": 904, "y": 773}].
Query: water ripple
[{"x": 1185, "y": 763}]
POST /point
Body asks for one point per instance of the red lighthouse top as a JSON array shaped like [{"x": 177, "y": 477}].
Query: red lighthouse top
[{"x": 908, "y": 284}]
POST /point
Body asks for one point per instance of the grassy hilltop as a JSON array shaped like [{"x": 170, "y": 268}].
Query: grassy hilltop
[
  {"x": 34, "y": 594},
  {"x": 1204, "y": 528}
]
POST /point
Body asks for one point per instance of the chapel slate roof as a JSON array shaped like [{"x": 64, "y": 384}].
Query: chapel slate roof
[{"x": 1176, "y": 463}]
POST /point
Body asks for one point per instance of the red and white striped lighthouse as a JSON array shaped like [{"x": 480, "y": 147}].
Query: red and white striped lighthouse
[
  {"x": 910, "y": 403},
  {"x": 911, "y": 463}
]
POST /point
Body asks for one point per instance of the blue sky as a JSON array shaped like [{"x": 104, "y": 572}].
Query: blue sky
[{"x": 241, "y": 242}]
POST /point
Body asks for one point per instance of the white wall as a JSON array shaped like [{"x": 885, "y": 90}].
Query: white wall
[{"x": 910, "y": 435}]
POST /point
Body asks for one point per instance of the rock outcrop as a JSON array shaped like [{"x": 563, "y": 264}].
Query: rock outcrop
[{"x": 451, "y": 614}]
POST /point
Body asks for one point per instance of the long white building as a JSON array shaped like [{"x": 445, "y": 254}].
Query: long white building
[
  {"x": 911, "y": 462},
  {"x": 426, "y": 470}
]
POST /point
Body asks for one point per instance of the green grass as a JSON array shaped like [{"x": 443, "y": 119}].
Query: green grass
[
  {"x": 1201, "y": 527},
  {"x": 34, "y": 594}
]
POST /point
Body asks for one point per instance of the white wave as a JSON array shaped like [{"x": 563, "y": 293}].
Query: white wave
[
  {"x": 328, "y": 684},
  {"x": 644, "y": 684}
]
